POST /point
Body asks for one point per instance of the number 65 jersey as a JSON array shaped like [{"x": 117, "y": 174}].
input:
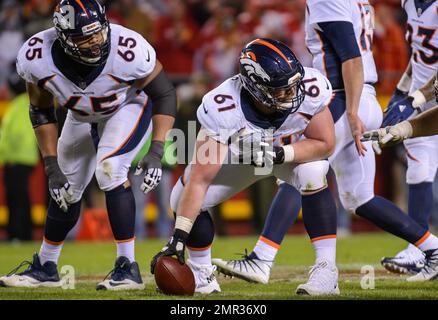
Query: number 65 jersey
[
  {"x": 226, "y": 113},
  {"x": 130, "y": 58}
]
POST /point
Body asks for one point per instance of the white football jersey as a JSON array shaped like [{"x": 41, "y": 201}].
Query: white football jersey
[
  {"x": 130, "y": 58},
  {"x": 421, "y": 33},
  {"x": 361, "y": 14},
  {"x": 226, "y": 112}
]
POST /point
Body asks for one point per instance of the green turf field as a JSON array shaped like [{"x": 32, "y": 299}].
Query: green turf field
[{"x": 92, "y": 261}]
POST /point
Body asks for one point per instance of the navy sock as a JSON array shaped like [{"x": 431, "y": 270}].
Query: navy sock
[
  {"x": 319, "y": 214},
  {"x": 421, "y": 203},
  {"x": 120, "y": 204},
  {"x": 282, "y": 214},
  {"x": 202, "y": 233},
  {"x": 59, "y": 223},
  {"x": 386, "y": 215}
]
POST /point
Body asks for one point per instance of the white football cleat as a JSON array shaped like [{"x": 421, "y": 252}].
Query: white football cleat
[
  {"x": 249, "y": 269},
  {"x": 323, "y": 280},
  {"x": 408, "y": 261},
  {"x": 205, "y": 279},
  {"x": 430, "y": 269}
]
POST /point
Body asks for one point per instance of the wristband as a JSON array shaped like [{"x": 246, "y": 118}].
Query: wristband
[
  {"x": 184, "y": 224},
  {"x": 51, "y": 165},
  {"x": 157, "y": 148},
  {"x": 419, "y": 99},
  {"x": 289, "y": 153}
]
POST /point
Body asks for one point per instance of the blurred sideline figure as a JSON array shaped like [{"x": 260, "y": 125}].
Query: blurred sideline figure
[{"x": 19, "y": 155}]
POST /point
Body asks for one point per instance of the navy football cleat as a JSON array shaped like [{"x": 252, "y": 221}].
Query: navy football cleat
[
  {"x": 124, "y": 276},
  {"x": 36, "y": 275}
]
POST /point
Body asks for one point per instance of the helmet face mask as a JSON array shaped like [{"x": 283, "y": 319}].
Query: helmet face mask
[
  {"x": 83, "y": 31},
  {"x": 272, "y": 74}
]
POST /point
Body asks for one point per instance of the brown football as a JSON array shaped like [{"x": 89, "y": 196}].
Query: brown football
[{"x": 173, "y": 277}]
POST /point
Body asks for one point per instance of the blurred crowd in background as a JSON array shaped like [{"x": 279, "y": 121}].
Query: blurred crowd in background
[{"x": 198, "y": 42}]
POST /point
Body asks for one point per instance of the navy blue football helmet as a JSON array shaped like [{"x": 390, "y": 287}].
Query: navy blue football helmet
[
  {"x": 272, "y": 74},
  {"x": 75, "y": 21}
]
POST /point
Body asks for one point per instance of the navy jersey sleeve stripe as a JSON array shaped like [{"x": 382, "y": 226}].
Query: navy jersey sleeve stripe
[
  {"x": 332, "y": 63},
  {"x": 341, "y": 36}
]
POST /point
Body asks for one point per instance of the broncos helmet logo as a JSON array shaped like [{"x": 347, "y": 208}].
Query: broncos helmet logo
[
  {"x": 64, "y": 17},
  {"x": 253, "y": 68}
]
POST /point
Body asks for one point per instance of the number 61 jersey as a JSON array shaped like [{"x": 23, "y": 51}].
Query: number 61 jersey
[
  {"x": 130, "y": 58},
  {"x": 227, "y": 114}
]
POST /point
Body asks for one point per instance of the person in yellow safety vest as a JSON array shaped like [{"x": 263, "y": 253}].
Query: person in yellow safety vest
[{"x": 18, "y": 156}]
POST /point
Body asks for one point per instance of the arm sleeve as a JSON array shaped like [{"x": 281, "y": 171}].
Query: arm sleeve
[
  {"x": 163, "y": 95},
  {"x": 342, "y": 38}
]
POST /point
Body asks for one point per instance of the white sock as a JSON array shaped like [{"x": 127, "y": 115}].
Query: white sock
[
  {"x": 266, "y": 250},
  {"x": 201, "y": 257},
  {"x": 427, "y": 242},
  {"x": 325, "y": 249},
  {"x": 126, "y": 249},
  {"x": 50, "y": 251}
]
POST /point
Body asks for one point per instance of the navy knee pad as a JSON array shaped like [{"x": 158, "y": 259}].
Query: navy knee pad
[
  {"x": 202, "y": 233},
  {"x": 120, "y": 204},
  {"x": 58, "y": 222}
]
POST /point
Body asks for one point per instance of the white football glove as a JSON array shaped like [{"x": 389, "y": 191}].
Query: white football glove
[
  {"x": 151, "y": 164},
  {"x": 59, "y": 188},
  {"x": 62, "y": 196},
  {"x": 388, "y": 136},
  {"x": 270, "y": 155}
]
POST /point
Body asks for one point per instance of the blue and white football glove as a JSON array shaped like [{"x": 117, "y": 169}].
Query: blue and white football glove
[
  {"x": 397, "y": 96},
  {"x": 399, "y": 111},
  {"x": 151, "y": 164}
]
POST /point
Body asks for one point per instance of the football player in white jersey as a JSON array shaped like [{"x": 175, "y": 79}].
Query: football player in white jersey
[
  {"x": 339, "y": 35},
  {"x": 420, "y": 126},
  {"x": 280, "y": 109},
  {"x": 108, "y": 78},
  {"x": 414, "y": 94}
]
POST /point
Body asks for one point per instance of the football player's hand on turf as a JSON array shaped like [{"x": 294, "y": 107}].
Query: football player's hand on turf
[
  {"x": 59, "y": 188},
  {"x": 151, "y": 164},
  {"x": 357, "y": 129},
  {"x": 388, "y": 136},
  {"x": 175, "y": 247}
]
